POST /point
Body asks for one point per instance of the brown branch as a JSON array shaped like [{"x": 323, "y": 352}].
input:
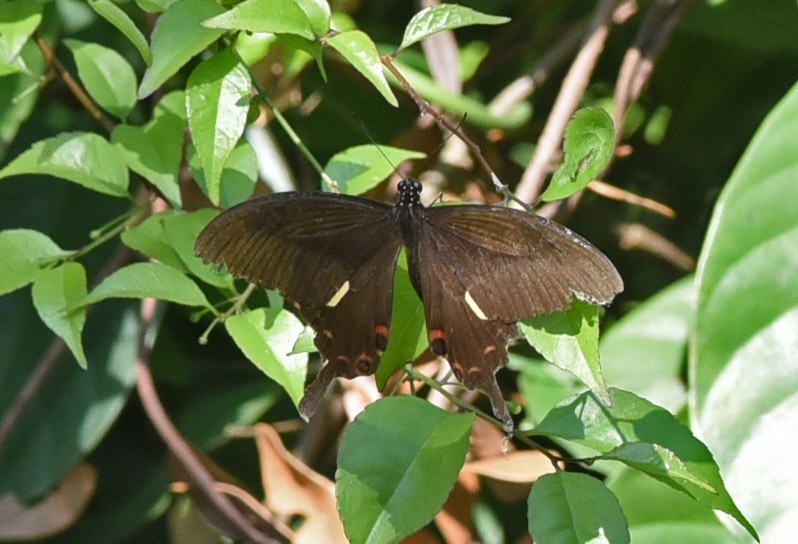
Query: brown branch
[
  {"x": 573, "y": 88},
  {"x": 616, "y": 193},
  {"x": 229, "y": 519},
  {"x": 638, "y": 63},
  {"x": 638, "y": 236},
  {"x": 81, "y": 95}
]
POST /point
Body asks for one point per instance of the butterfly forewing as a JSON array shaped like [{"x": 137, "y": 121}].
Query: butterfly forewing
[{"x": 516, "y": 264}]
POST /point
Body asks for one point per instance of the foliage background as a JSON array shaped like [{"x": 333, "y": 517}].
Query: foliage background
[{"x": 727, "y": 65}]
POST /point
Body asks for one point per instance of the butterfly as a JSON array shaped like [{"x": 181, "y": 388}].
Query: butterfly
[{"x": 477, "y": 269}]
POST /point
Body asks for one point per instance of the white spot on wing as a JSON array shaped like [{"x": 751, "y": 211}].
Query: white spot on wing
[
  {"x": 336, "y": 298},
  {"x": 475, "y": 307}
]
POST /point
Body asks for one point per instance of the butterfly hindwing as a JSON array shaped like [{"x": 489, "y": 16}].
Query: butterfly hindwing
[{"x": 332, "y": 256}]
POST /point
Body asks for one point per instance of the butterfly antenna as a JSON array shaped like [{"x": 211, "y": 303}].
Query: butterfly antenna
[{"x": 374, "y": 142}]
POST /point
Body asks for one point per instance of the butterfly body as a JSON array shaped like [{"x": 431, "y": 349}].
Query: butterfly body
[{"x": 477, "y": 269}]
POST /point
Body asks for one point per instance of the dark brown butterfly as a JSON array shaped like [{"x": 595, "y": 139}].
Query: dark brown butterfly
[{"x": 478, "y": 270}]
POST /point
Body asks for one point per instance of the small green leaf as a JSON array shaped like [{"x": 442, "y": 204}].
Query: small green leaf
[
  {"x": 181, "y": 231},
  {"x": 56, "y": 291},
  {"x": 362, "y": 167},
  {"x": 149, "y": 238},
  {"x": 434, "y": 19},
  {"x": 80, "y": 157},
  {"x": 318, "y": 13},
  {"x": 631, "y": 419},
  {"x": 117, "y": 17},
  {"x": 358, "y": 49},
  {"x": 408, "y": 335},
  {"x": 145, "y": 280},
  {"x": 267, "y": 336},
  {"x": 239, "y": 175},
  {"x": 398, "y": 461},
  {"x": 589, "y": 145},
  {"x": 107, "y": 76},
  {"x": 177, "y": 37},
  {"x": 18, "y": 20},
  {"x": 217, "y": 104},
  {"x": 21, "y": 254},
  {"x": 276, "y": 16},
  {"x": 659, "y": 463},
  {"x": 574, "y": 508},
  {"x": 154, "y": 152},
  {"x": 569, "y": 340}
]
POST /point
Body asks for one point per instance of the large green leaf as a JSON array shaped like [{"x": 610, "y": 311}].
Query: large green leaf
[
  {"x": 573, "y": 508},
  {"x": 630, "y": 420},
  {"x": 81, "y": 157},
  {"x": 217, "y": 103},
  {"x": 54, "y": 293},
  {"x": 23, "y": 253},
  {"x": 107, "y": 76},
  {"x": 569, "y": 340},
  {"x": 360, "y": 168},
  {"x": 266, "y": 337},
  {"x": 18, "y": 20},
  {"x": 743, "y": 359},
  {"x": 437, "y": 18},
  {"x": 358, "y": 49},
  {"x": 122, "y": 21},
  {"x": 143, "y": 280},
  {"x": 154, "y": 152},
  {"x": 177, "y": 37},
  {"x": 306, "y": 18},
  {"x": 397, "y": 464}
]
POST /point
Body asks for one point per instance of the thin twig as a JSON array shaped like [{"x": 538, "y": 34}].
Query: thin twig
[
  {"x": 573, "y": 88},
  {"x": 616, "y": 193},
  {"x": 197, "y": 474},
  {"x": 81, "y": 95},
  {"x": 641, "y": 237},
  {"x": 638, "y": 63}
]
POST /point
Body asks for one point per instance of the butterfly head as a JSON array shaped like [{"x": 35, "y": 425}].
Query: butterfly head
[{"x": 409, "y": 194}]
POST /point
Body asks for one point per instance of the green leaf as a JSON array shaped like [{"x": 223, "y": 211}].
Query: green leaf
[
  {"x": 743, "y": 358},
  {"x": 22, "y": 252},
  {"x": 408, "y": 336},
  {"x": 54, "y": 293},
  {"x": 358, "y": 169},
  {"x": 398, "y": 461},
  {"x": 239, "y": 175},
  {"x": 106, "y": 75},
  {"x": 154, "y": 152},
  {"x": 80, "y": 157},
  {"x": 267, "y": 336},
  {"x": 145, "y": 280},
  {"x": 574, "y": 508},
  {"x": 276, "y": 16},
  {"x": 18, "y": 20},
  {"x": 658, "y": 462},
  {"x": 177, "y": 37},
  {"x": 586, "y": 422},
  {"x": 434, "y": 19},
  {"x": 589, "y": 145},
  {"x": 358, "y": 49},
  {"x": 123, "y": 23},
  {"x": 149, "y": 238},
  {"x": 318, "y": 13},
  {"x": 181, "y": 231},
  {"x": 217, "y": 103},
  {"x": 569, "y": 340},
  {"x": 645, "y": 351}
]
